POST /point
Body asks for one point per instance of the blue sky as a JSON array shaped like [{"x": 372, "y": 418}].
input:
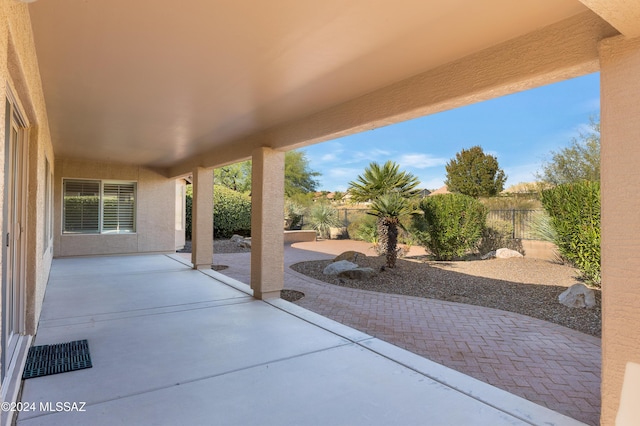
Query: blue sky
[{"x": 520, "y": 130}]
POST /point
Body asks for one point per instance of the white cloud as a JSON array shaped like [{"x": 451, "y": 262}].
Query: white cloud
[
  {"x": 433, "y": 183},
  {"x": 375, "y": 154},
  {"x": 343, "y": 172},
  {"x": 420, "y": 161},
  {"x": 520, "y": 174},
  {"x": 329, "y": 157}
]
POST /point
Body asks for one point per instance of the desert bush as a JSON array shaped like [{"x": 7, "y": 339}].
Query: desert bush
[
  {"x": 498, "y": 234},
  {"x": 541, "y": 229},
  {"x": 450, "y": 225},
  {"x": 363, "y": 228},
  {"x": 575, "y": 216},
  {"x": 322, "y": 217},
  {"x": 293, "y": 214}
]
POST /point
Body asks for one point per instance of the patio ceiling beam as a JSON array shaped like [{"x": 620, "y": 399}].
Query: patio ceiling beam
[
  {"x": 623, "y": 15},
  {"x": 557, "y": 52}
]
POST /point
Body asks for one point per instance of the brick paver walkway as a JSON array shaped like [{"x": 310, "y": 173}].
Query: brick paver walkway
[{"x": 551, "y": 365}]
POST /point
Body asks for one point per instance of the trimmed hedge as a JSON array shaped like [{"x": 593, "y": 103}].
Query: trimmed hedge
[
  {"x": 231, "y": 212},
  {"x": 451, "y": 225},
  {"x": 575, "y": 216}
]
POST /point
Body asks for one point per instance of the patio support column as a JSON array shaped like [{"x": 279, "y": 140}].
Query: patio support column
[
  {"x": 202, "y": 219},
  {"x": 267, "y": 223},
  {"x": 620, "y": 157}
]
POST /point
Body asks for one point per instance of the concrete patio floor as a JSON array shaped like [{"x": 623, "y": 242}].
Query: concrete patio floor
[{"x": 171, "y": 345}]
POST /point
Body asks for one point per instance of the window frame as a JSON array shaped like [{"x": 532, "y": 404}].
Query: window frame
[{"x": 101, "y": 195}]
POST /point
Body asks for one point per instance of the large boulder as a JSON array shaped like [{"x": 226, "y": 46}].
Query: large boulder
[
  {"x": 357, "y": 273},
  {"x": 505, "y": 253},
  {"x": 351, "y": 256},
  {"x": 578, "y": 296},
  {"x": 336, "y": 267},
  {"x": 237, "y": 238}
]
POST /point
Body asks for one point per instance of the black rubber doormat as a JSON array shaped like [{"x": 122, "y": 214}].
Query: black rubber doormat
[{"x": 45, "y": 360}]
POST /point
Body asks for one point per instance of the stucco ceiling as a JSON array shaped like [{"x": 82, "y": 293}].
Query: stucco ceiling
[{"x": 157, "y": 82}]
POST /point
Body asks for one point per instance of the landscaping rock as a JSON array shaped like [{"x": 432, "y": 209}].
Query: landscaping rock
[
  {"x": 357, "y": 273},
  {"x": 505, "y": 253},
  {"x": 245, "y": 244},
  {"x": 351, "y": 256},
  {"x": 578, "y": 296},
  {"x": 237, "y": 238},
  {"x": 336, "y": 267}
]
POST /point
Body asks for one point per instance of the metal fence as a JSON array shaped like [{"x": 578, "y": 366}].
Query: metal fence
[
  {"x": 513, "y": 222},
  {"x": 517, "y": 223}
]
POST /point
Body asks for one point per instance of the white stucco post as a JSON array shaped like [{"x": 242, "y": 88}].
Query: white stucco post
[
  {"x": 267, "y": 223},
  {"x": 202, "y": 219},
  {"x": 620, "y": 161}
]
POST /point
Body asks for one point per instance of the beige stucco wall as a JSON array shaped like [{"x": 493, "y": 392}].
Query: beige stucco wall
[
  {"x": 19, "y": 69},
  {"x": 620, "y": 157},
  {"x": 155, "y": 213}
]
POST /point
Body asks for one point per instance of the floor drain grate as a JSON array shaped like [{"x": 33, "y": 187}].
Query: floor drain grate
[{"x": 45, "y": 360}]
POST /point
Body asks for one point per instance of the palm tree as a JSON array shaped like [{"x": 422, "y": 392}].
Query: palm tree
[
  {"x": 379, "y": 180},
  {"x": 389, "y": 209}
]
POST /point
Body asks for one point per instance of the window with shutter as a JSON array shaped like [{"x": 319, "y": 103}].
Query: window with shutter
[
  {"x": 99, "y": 207},
  {"x": 81, "y": 206},
  {"x": 118, "y": 209}
]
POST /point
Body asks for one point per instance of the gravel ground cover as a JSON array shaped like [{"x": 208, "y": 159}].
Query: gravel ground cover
[{"x": 525, "y": 286}]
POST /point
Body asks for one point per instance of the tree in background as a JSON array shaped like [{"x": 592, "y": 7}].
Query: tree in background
[
  {"x": 380, "y": 180},
  {"x": 298, "y": 177},
  {"x": 580, "y": 161},
  {"x": 475, "y": 173},
  {"x": 235, "y": 176}
]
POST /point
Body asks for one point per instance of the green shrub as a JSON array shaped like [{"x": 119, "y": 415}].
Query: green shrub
[
  {"x": 363, "y": 228},
  {"x": 231, "y": 212},
  {"x": 322, "y": 217},
  {"x": 575, "y": 216},
  {"x": 188, "y": 207},
  {"x": 451, "y": 224}
]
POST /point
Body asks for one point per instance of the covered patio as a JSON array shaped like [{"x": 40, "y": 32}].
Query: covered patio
[
  {"x": 113, "y": 105},
  {"x": 174, "y": 345}
]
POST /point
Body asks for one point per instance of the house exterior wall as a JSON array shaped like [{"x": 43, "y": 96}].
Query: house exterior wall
[
  {"x": 19, "y": 74},
  {"x": 155, "y": 219},
  {"x": 620, "y": 156}
]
